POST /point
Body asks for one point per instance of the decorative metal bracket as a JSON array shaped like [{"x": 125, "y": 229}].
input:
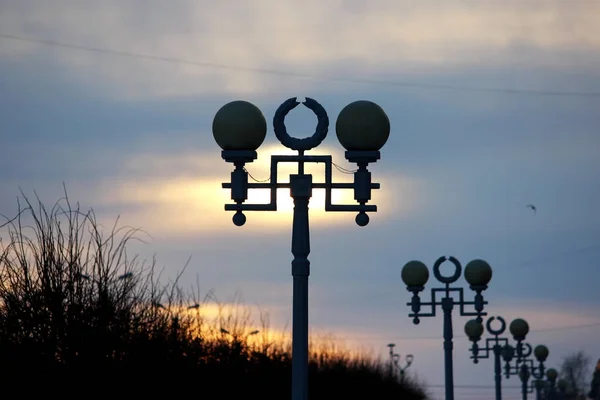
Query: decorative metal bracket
[
  {"x": 491, "y": 343},
  {"x": 239, "y": 184},
  {"x": 416, "y": 302}
]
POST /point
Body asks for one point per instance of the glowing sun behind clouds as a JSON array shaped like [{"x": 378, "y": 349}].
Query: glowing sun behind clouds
[{"x": 182, "y": 195}]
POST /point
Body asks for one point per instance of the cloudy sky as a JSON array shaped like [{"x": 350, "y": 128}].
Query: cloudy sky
[{"x": 493, "y": 105}]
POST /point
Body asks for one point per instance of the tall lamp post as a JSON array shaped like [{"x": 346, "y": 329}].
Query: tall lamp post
[
  {"x": 477, "y": 273},
  {"x": 239, "y": 128},
  {"x": 395, "y": 361},
  {"x": 493, "y": 345}
]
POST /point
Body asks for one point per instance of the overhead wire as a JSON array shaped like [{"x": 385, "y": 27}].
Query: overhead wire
[
  {"x": 291, "y": 74},
  {"x": 541, "y": 330}
]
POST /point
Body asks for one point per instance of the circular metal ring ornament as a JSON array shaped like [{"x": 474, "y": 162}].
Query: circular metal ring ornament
[
  {"x": 526, "y": 350},
  {"x": 447, "y": 279},
  {"x": 296, "y": 143},
  {"x": 498, "y": 331}
]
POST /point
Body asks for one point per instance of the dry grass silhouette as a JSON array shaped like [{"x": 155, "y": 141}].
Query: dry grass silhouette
[{"x": 76, "y": 308}]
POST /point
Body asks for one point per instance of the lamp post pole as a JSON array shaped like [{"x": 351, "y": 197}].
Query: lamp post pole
[
  {"x": 477, "y": 273},
  {"x": 494, "y": 345},
  {"x": 239, "y": 128}
]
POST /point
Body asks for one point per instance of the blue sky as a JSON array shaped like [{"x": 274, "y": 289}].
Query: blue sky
[{"x": 493, "y": 105}]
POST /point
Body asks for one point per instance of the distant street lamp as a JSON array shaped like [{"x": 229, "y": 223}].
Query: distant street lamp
[
  {"x": 563, "y": 389},
  {"x": 408, "y": 359},
  {"x": 524, "y": 374},
  {"x": 362, "y": 128},
  {"x": 551, "y": 376},
  {"x": 546, "y": 388},
  {"x": 539, "y": 372},
  {"x": 493, "y": 345},
  {"x": 395, "y": 361},
  {"x": 524, "y": 366},
  {"x": 478, "y": 274}
]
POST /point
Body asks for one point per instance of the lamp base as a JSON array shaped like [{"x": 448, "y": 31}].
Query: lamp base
[
  {"x": 362, "y": 157},
  {"x": 237, "y": 156}
]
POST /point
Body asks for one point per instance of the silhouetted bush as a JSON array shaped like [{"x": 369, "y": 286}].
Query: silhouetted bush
[{"x": 80, "y": 314}]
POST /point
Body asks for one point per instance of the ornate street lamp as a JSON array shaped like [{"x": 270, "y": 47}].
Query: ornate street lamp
[
  {"x": 524, "y": 366},
  {"x": 395, "y": 361},
  {"x": 493, "y": 345},
  {"x": 362, "y": 128}
]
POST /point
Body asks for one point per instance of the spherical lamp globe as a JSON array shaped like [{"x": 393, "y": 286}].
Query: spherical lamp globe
[
  {"x": 508, "y": 352},
  {"x": 362, "y": 126},
  {"x": 541, "y": 352},
  {"x": 474, "y": 329},
  {"x": 478, "y": 273},
  {"x": 239, "y": 125},
  {"x": 519, "y": 328},
  {"x": 415, "y": 273}
]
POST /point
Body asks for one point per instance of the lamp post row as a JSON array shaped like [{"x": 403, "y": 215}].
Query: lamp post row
[
  {"x": 478, "y": 274},
  {"x": 362, "y": 128}
]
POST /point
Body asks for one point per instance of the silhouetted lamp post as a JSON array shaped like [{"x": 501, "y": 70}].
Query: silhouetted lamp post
[
  {"x": 519, "y": 329},
  {"x": 563, "y": 389},
  {"x": 524, "y": 366},
  {"x": 551, "y": 376},
  {"x": 239, "y": 128},
  {"x": 541, "y": 353},
  {"x": 524, "y": 375},
  {"x": 493, "y": 345},
  {"x": 408, "y": 359},
  {"x": 477, "y": 273},
  {"x": 395, "y": 361}
]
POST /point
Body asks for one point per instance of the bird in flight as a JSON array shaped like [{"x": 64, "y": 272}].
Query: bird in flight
[{"x": 532, "y": 207}]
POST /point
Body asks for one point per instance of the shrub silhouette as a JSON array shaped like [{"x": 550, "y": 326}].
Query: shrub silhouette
[{"x": 78, "y": 310}]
